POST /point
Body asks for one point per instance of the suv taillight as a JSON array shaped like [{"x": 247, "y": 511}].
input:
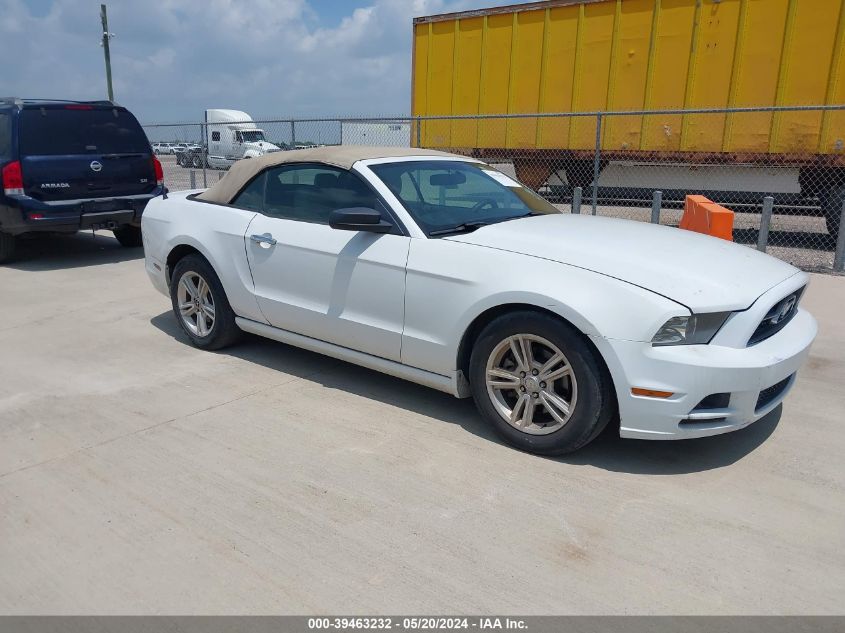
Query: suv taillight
[
  {"x": 13, "y": 179},
  {"x": 159, "y": 171}
]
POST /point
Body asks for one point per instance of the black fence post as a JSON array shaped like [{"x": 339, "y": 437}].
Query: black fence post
[
  {"x": 596, "y": 162},
  {"x": 203, "y": 152},
  {"x": 765, "y": 223},
  {"x": 656, "y": 204},
  {"x": 839, "y": 253},
  {"x": 576, "y": 200}
]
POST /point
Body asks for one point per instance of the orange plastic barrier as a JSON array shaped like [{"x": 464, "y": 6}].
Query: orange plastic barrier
[{"x": 705, "y": 216}]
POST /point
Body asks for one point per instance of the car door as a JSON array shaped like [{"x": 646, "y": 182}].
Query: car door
[{"x": 343, "y": 287}]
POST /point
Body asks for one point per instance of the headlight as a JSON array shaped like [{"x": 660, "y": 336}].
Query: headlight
[{"x": 694, "y": 329}]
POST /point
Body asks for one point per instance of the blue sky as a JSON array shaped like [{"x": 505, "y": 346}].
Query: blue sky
[{"x": 173, "y": 58}]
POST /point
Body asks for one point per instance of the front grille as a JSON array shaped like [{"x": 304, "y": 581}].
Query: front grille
[
  {"x": 770, "y": 394},
  {"x": 777, "y": 317}
]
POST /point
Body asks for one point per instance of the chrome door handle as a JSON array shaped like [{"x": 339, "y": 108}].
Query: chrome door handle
[{"x": 264, "y": 241}]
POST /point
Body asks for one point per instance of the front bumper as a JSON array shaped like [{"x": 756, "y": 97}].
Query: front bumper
[{"x": 694, "y": 372}]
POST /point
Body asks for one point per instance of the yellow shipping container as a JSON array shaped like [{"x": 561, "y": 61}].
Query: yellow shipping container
[{"x": 622, "y": 55}]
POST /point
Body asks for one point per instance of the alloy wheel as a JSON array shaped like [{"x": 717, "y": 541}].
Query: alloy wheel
[
  {"x": 531, "y": 384},
  {"x": 196, "y": 303}
]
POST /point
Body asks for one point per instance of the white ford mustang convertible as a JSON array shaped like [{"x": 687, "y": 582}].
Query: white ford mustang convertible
[{"x": 441, "y": 270}]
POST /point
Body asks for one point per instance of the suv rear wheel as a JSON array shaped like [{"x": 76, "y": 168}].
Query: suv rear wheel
[
  {"x": 129, "y": 236},
  {"x": 7, "y": 247}
]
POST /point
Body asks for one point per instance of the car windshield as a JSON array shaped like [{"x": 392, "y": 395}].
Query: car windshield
[
  {"x": 446, "y": 196},
  {"x": 251, "y": 136}
]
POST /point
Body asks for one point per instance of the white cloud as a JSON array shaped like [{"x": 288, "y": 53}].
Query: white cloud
[{"x": 172, "y": 59}]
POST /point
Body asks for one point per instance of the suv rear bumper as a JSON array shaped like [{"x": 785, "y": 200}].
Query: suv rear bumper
[{"x": 23, "y": 214}]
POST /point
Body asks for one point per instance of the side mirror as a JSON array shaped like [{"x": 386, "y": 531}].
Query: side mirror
[{"x": 359, "y": 219}]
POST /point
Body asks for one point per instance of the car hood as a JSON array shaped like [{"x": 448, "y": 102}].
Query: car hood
[{"x": 704, "y": 273}]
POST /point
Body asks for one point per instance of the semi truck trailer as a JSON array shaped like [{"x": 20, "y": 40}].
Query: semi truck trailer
[{"x": 589, "y": 56}]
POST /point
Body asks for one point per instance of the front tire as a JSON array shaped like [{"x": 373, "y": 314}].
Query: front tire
[
  {"x": 540, "y": 384},
  {"x": 201, "y": 306},
  {"x": 8, "y": 244},
  {"x": 129, "y": 236}
]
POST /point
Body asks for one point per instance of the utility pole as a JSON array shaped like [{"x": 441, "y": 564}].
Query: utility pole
[{"x": 105, "y": 44}]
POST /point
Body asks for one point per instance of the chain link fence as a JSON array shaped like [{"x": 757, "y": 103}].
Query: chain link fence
[{"x": 782, "y": 170}]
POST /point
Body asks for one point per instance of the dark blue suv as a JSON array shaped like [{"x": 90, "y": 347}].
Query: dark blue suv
[{"x": 72, "y": 165}]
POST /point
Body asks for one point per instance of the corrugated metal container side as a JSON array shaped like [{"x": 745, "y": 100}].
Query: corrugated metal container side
[{"x": 609, "y": 55}]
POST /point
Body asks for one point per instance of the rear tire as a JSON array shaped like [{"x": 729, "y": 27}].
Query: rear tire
[
  {"x": 129, "y": 236},
  {"x": 536, "y": 404},
  {"x": 7, "y": 247},
  {"x": 200, "y": 304}
]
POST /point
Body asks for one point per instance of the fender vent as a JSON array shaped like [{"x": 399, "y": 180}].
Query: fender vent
[
  {"x": 713, "y": 401},
  {"x": 770, "y": 394}
]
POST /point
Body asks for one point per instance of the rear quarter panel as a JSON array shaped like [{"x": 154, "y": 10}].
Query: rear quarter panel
[{"x": 216, "y": 231}]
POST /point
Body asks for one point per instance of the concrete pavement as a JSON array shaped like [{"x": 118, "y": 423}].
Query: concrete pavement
[{"x": 140, "y": 475}]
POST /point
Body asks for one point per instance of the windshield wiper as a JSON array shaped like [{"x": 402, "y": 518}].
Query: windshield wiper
[
  {"x": 464, "y": 227},
  {"x": 469, "y": 227}
]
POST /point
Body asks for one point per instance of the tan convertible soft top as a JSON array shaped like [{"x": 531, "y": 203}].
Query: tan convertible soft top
[{"x": 343, "y": 156}]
